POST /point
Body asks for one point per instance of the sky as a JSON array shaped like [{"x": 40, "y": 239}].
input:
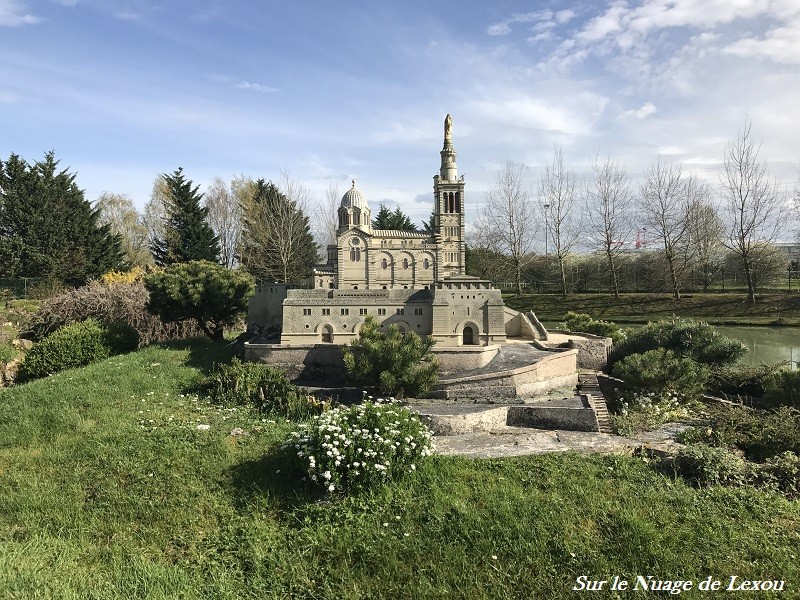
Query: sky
[{"x": 331, "y": 91}]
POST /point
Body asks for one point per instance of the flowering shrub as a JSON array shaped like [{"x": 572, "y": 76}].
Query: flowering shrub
[
  {"x": 114, "y": 277},
  {"x": 354, "y": 447}
]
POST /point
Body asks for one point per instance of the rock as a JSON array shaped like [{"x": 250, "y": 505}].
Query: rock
[{"x": 22, "y": 344}]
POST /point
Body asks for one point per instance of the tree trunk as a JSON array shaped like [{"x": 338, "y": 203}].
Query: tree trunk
[
  {"x": 751, "y": 291},
  {"x": 614, "y": 278},
  {"x": 563, "y": 276}
]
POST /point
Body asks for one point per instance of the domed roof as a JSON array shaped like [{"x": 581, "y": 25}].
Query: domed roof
[{"x": 354, "y": 198}]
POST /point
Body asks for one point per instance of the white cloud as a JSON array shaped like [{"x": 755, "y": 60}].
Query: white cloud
[
  {"x": 781, "y": 44},
  {"x": 257, "y": 87},
  {"x": 12, "y": 14},
  {"x": 670, "y": 150},
  {"x": 127, "y": 15},
  {"x": 572, "y": 115},
  {"x": 541, "y": 37},
  {"x": 499, "y": 29},
  {"x": 565, "y": 16},
  {"x": 644, "y": 111},
  {"x": 504, "y": 27}
]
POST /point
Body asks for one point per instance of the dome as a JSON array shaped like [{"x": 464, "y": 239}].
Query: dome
[{"x": 354, "y": 198}]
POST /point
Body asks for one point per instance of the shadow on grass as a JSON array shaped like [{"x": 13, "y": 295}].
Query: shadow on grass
[
  {"x": 273, "y": 476},
  {"x": 204, "y": 354}
]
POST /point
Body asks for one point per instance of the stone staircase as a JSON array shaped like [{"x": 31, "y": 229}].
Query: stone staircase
[{"x": 590, "y": 387}]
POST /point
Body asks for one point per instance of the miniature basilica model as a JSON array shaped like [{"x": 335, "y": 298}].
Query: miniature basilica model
[{"x": 416, "y": 280}]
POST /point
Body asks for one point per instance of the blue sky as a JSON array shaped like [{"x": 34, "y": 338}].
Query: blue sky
[{"x": 331, "y": 91}]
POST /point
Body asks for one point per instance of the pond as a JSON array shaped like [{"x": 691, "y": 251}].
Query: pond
[{"x": 767, "y": 345}]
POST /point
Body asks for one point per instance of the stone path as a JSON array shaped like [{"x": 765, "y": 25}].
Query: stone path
[
  {"x": 510, "y": 356},
  {"x": 521, "y": 441}
]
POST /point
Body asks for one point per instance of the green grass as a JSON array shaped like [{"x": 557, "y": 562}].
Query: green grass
[
  {"x": 109, "y": 490},
  {"x": 718, "y": 309}
]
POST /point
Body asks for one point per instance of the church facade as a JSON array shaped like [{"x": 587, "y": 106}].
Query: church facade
[{"x": 412, "y": 279}]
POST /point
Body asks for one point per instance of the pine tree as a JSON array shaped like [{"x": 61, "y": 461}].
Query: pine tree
[
  {"x": 396, "y": 220},
  {"x": 187, "y": 234},
  {"x": 277, "y": 243},
  {"x": 47, "y": 228}
]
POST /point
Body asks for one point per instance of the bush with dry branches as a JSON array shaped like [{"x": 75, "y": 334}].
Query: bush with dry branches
[{"x": 116, "y": 302}]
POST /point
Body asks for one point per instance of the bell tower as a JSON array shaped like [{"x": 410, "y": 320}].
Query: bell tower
[{"x": 448, "y": 193}]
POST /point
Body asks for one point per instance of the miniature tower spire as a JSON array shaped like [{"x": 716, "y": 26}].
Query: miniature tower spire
[
  {"x": 449, "y": 169},
  {"x": 448, "y": 193}
]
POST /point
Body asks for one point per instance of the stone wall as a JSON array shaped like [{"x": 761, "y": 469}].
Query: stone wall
[{"x": 592, "y": 349}]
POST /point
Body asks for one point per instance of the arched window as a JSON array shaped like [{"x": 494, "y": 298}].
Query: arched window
[
  {"x": 327, "y": 334},
  {"x": 384, "y": 263},
  {"x": 355, "y": 254},
  {"x": 426, "y": 264},
  {"x": 458, "y": 201},
  {"x": 405, "y": 263}
]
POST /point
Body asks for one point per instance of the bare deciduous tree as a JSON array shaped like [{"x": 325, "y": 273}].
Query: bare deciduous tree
[
  {"x": 557, "y": 194},
  {"x": 752, "y": 203},
  {"x": 706, "y": 234},
  {"x": 608, "y": 205},
  {"x": 507, "y": 220},
  {"x": 325, "y": 217},
  {"x": 225, "y": 214},
  {"x": 119, "y": 212},
  {"x": 156, "y": 210},
  {"x": 665, "y": 207}
]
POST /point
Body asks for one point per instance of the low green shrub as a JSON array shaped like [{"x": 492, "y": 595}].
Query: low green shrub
[
  {"x": 760, "y": 434},
  {"x": 77, "y": 345},
  {"x": 783, "y": 389},
  {"x": 352, "y": 448},
  {"x": 262, "y": 386},
  {"x": 399, "y": 364},
  {"x": 120, "y": 338},
  {"x": 660, "y": 375},
  {"x": 705, "y": 465},
  {"x": 584, "y": 323},
  {"x": 688, "y": 339},
  {"x": 741, "y": 381},
  {"x": 781, "y": 472},
  {"x": 7, "y": 354}
]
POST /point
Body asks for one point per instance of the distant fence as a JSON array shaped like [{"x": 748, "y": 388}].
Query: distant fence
[{"x": 19, "y": 287}]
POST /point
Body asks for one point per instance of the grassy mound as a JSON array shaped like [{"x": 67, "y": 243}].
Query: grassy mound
[{"x": 115, "y": 483}]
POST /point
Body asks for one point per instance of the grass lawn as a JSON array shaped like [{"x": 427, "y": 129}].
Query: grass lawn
[
  {"x": 718, "y": 309},
  {"x": 109, "y": 490}
]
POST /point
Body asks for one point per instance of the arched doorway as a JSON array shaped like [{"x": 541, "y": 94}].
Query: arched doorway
[
  {"x": 327, "y": 334},
  {"x": 468, "y": 336}
]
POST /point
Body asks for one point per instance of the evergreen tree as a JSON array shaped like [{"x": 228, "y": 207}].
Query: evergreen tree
[
  {"x": 47, "y": 228},
  {"x": 428, "y": 226},
  {"x": 396, "y": 220},
  {"x": 187, "y": 234},
  {"x": 277, "y": 243}
]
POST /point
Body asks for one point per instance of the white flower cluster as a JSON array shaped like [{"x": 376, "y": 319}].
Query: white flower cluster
[{"x": 356, "y": 446}]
